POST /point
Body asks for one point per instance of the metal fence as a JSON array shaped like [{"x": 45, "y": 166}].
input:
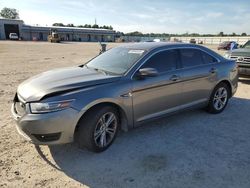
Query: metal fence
[
  {"x": 213, "y": 40},
  {"x": 141, "y": 39}
]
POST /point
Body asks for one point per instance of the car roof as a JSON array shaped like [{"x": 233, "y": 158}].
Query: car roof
[
  {"x": 153, "y": 45},
  {"x": 150, "y": 46}
]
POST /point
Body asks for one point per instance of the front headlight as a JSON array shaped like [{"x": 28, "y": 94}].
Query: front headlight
[
  {"x": 227, "y": 55},
  {"x": 50, "y": 106}
]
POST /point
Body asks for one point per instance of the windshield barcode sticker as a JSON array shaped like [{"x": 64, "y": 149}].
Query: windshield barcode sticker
[{"x": 135, "y": 51}]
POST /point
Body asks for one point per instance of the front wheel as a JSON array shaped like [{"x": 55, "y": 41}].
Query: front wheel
[
  {"x": 218, "y": 99},
  {"x": 98, "y": 129}
]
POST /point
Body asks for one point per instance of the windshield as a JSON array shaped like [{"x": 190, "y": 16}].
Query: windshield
[
  {"x": 247, "y": 45},
  {"x": 116, "y": 61}
]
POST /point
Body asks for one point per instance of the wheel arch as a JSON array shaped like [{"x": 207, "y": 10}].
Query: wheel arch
[
  {"x": 124, "y": 119},
  {"x": 228, "y": 83}
]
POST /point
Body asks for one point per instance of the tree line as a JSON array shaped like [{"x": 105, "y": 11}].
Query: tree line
[{"x": 84, "y": 26}]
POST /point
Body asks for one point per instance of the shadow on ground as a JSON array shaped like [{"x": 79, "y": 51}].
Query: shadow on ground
[{"x": 190, "y": 149}]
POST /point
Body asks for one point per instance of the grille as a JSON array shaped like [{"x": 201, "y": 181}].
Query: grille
[{"x": 241, "y": 59}]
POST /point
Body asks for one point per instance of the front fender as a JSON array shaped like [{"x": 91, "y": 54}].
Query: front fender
[{"x": 110, "y": 93}]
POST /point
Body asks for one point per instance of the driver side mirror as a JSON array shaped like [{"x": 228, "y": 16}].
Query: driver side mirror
[{"x": 147, "y": 72}]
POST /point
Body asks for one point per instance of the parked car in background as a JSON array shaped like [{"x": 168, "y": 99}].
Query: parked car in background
[
  {"x": 193, "y": 41},
  {"x": 242, "y": 57},
  {"x": 120, "y": 89},
  {"x": 13, "y": 36},
  {"x": 226, "y": 45},
  {"x": 177, "y": 40}
]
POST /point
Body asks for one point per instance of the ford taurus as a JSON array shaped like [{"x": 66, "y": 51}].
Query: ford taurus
[{"x": 120, "y": 89}]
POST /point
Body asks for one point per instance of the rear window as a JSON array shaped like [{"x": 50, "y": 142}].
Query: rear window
[
  {"x": 191, "y": 57},
  {"x": 207, "y": 59}
]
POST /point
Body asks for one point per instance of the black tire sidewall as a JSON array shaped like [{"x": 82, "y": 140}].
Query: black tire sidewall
[{"x": 85, "y": 136}]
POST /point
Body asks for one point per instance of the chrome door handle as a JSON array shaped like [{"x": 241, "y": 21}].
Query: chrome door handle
[{"x": 174, "y": 78}]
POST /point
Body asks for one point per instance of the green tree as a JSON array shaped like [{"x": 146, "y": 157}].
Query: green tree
[
  {"x": 243, "y": 34},
  {"x": 135, "y": 33},
  {"x": 110, "y": 27},
  {"x": 95, "y": 26},
  {"x": 58, "y": 24},
  {"x": 70, "y": 25},
  {"x": 10, "y": 13},
  {"x": 87, "y": 26},
  {"x": 221, "y": 34}
]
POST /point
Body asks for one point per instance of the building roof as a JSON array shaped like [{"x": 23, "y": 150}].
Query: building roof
[
  {"x": 68, "y": 29},
  {"x": 1, "y": 18},
  {"x": 10, "y": 20},
  {"x": 58, "y": 28}
]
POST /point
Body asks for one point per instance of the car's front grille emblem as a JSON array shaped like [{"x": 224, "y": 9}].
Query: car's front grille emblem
[{"x": 240, "y": 59}]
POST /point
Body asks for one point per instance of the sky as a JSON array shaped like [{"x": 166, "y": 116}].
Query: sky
[{"x": 147, "y": 16}]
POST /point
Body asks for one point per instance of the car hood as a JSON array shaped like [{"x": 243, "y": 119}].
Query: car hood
[
  {"x": 59, "y": 80},
  {"x": 241, "y": 52}
]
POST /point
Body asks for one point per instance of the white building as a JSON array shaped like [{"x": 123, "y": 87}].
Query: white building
[{"x": 28, "y": 32}]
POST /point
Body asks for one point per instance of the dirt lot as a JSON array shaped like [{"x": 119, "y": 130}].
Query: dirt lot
[{"x": 191, "y": 149}]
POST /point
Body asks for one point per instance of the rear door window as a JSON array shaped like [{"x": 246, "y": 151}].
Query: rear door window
[
  {"x": 163, "y": 61},
  {"x": 191, "y": 57},
  {"x": 207, "y": 59}
]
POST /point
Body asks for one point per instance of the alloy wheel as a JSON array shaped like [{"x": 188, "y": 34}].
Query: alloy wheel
[
  {"x": 105, "y": 129},
  {"x": 220, "y": 98}
]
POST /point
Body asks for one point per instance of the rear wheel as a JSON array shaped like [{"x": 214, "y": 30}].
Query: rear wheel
[
  {"x": 219, "y": 99},
  {"x": 98, "y": 129}
]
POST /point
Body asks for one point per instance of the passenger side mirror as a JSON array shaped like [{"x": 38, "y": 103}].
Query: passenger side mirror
[{"x": 147, "y": 72}]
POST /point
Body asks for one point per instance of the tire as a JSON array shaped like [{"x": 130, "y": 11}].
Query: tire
[
  {"x": 218, "y": 99},
  {"x": 94, "y": 132}
]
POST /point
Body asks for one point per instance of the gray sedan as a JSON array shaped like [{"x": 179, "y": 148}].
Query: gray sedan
[{"x": 120, "y": 89}]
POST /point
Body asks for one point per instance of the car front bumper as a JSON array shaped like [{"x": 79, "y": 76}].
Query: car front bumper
[
  {"x": 244, "y": 69},
  {"x": 47, "y": 128}
]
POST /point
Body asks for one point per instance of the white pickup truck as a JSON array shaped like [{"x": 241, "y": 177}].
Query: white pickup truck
[{"x": 13, "y": 36}]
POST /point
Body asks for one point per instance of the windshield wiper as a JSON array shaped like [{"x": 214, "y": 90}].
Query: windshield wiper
[
  {"x": 98, "y": 70},
  {"x": 101, "y": 70}
]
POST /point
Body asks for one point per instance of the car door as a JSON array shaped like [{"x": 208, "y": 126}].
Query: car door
[
  {"x": 155, "y": 96},
  {"x": 199, "y": 72}
]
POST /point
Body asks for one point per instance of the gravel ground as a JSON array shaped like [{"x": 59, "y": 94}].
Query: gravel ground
[{"x": 190, "y": 149}]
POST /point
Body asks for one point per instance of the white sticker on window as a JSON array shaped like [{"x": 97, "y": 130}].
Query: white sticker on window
[{"x": 135, "y": 51}]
